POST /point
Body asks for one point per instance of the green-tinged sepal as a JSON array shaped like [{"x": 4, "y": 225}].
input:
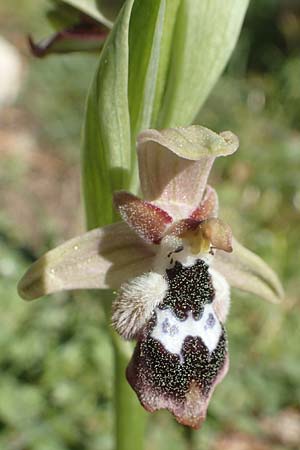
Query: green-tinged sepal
[
  {"x": 174, "y": 164},
  {"x": 100, "y": 259},
  {"x": 246, "y": 271}
]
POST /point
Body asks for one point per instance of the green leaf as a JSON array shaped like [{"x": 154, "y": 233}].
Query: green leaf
[
  {"x": 150, "y": 34},
  {"x": 205, "y": 34},
  {"x": 151, "y": 29},
  {"x": 106, "y": 157}
]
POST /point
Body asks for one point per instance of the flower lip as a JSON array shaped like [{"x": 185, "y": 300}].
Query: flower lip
[{"x": 181, "y": 353}]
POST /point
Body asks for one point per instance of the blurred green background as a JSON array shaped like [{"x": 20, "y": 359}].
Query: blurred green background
[{"x": 55, "y": 356}]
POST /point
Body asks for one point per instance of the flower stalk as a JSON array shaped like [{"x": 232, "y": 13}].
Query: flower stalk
[{"x": 130, "y": 420}]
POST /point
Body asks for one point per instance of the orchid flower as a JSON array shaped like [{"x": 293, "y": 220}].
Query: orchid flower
[{"x": 173, "y": 262}]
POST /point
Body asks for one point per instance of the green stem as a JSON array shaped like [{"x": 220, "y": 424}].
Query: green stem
[
  {"x": 189, "y": 435},
  {"x": 130, "y": 418}
]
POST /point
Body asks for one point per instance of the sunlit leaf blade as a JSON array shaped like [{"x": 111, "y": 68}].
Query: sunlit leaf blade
[
  {"x": 150, "y": 37},
  {"x": 106, "y": 155},
  {"x": 148, "y": 57},
  {"x": 204, "y": 36},
  {"x": 165, "y": 46},
  {"x": 100, "y": 259},
  {"x": 246, "y": 271}
]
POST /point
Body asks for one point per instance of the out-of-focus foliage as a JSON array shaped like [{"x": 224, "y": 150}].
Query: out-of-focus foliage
[{"x": 55, "y": 359}]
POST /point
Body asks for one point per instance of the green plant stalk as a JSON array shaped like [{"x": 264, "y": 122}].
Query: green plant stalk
[{"x": 129, "y": 417}]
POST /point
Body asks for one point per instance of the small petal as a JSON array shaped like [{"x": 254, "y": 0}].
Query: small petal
[
  {"x": 181, "y": 227},
  {"x": 246, "y": 271},
  {"x": 218, "y": 233},
  {"x": 100, "y": 259},
  {"x": 208, "y": 207},
  {"x": 174, "y": 165},
  {"x": 147, "y": 220}
]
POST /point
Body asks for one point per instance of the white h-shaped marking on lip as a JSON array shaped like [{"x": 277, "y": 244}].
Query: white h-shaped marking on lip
[{"x": 171, "y": 331}]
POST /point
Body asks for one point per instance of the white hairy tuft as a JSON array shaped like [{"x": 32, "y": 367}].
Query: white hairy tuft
[
  {"x": 136, "y": 302},
  {"x": 221, "y": 302}
]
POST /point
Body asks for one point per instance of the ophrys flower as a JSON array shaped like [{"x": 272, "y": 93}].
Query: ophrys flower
[{"x": 172, "y": 260}]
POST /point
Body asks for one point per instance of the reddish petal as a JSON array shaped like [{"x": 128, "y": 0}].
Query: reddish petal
[
  {"x": 180, "y": 227},
  {"x": 208, "y": 207},
  {"x": 147, "y": 220}
]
